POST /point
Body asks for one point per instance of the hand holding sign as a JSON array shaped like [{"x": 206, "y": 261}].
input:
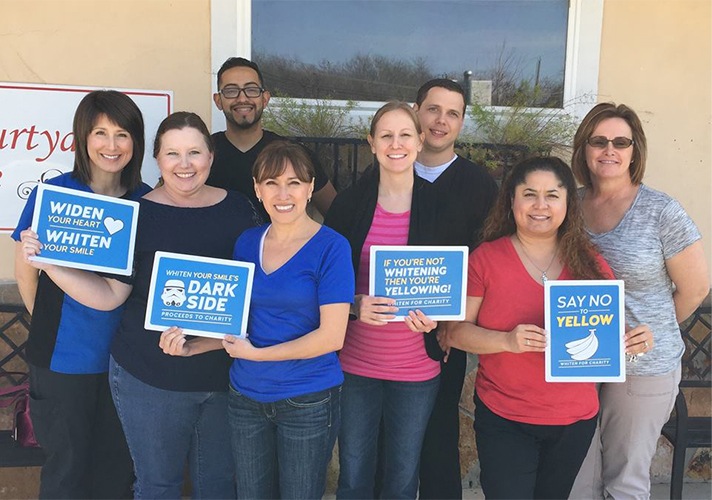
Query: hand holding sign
[
  {"x": 638, "y": 340},
  {"x": 31, "y": 247},
  {"x": 173, "y": 343},
  {"x": 419, "y": 322},
  {"x": 375, "y": 311}
]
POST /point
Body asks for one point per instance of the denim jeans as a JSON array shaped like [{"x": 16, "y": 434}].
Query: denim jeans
[
  {"x": 165, "y": 429},
  {"x": 405, "y": 408},
  {"x": 282, "y": 449}
]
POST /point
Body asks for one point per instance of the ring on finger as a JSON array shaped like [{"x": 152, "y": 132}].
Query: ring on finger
[
  {"x": 527, "y": 342},
  {"x": 646, "y": 345}
]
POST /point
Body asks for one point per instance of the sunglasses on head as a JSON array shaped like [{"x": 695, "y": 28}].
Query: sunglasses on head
[{"x": 600, "y": 142}]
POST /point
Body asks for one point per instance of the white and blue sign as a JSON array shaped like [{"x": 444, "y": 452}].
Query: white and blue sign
[
  {"x": 85, "y": 230},
  {"x": 586, "y": 325},
  {"x": 203, "y": 296},
  {"x": 430, "y": 278}
]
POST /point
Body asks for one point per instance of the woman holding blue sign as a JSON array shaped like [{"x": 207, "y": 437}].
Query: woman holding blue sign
[
  {"x": 532, "y": 435},
  {"x": 654, "y": 246},
  {"x": 68, "y": 346},
  {"x": 172, "y": 409},
  {"x": 286, "y": 379},
  {"x": 388, "y": 373}
]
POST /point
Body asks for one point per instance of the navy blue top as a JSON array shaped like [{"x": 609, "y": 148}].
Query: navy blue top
[
  {"x": 66, "y": 336},
  {"x": 206, "y": 231},
  {"x": 285, "y": 306}
]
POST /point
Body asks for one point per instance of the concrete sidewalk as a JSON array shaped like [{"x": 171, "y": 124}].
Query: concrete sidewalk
[{"x": 660, "y": 491}]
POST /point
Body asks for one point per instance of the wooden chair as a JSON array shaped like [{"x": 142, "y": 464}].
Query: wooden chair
[{"x": 684, "y": 431}]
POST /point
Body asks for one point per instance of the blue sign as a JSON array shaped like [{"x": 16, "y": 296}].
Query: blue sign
[
  {"x": 585, "y": 321},
  {"x": 85, "y": 230},
  {"x": 203, "y": 296},
  {"x": 430, "y": 278}
]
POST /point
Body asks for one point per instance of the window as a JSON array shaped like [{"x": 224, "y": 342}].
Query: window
[
  {"x": 369, "y": 50},
  {"x": 240, "y": 28}
]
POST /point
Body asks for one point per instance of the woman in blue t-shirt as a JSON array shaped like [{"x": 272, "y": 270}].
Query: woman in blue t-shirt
[
  {"x": 284, "y": 402},
  {"x": 68, "y": 346}
]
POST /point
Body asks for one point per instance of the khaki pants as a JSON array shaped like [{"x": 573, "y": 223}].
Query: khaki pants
[{"x": 631, "y": 417}]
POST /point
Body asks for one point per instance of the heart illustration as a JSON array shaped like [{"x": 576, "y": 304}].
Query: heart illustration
[{"x": 112, "y": 225}]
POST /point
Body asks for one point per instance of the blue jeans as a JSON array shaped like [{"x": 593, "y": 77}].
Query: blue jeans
[
  {"x": 405, "y": 408},
  {"x": 282, "y": 449},
  {"x": 164, "y": 429}
]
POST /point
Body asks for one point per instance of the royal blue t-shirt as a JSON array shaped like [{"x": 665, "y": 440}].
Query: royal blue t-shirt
[
  {"x": 66, "y": 336},
  {"x": 285, "y": 306}
]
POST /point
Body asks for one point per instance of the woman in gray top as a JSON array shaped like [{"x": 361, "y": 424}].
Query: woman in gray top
[{"x": 653, "y": 245}]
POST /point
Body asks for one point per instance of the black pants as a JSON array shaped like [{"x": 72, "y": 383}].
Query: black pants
[
  {"x": 76, "y": 424},
  {"x": 529, "y": 461},
  {"x": 440, "y": 457}
]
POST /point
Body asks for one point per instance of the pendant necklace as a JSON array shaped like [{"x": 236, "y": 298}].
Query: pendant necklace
[{"x": 543, "y": 272}]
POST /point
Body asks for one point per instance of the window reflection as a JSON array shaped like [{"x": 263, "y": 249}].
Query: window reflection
[{"x": 385, "y": 49}]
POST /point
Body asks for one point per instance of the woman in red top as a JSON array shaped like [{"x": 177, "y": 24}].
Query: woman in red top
[{"x": 532, "y": 436}]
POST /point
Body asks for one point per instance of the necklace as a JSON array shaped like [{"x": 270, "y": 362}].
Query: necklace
[{"x": 543, "y": 272}]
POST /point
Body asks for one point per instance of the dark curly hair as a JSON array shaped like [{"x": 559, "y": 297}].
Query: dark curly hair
[{"x": 577, "y": 251}]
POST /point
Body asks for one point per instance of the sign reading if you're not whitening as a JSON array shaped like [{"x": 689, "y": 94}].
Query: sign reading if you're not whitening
[{"x": 430, "y": 278}]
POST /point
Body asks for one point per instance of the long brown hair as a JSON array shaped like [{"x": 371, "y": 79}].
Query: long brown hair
[{"x": 577, "y": 251}]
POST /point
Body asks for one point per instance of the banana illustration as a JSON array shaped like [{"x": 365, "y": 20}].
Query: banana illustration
[{"x": 583, "y": 348}]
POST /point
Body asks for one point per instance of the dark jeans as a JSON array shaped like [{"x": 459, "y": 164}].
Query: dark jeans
[
  {"x": 282, "y": 449},
  {"x": 76, "y": 424},
  {"x": 440, "y": 458},
  {"x": 404, "y": 408},
  {"x": 529, "y": 461},
  {"x": 165, "y": 429}
]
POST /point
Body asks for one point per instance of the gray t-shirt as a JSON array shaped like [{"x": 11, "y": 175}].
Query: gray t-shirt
[{"x": 654, "y": 229}]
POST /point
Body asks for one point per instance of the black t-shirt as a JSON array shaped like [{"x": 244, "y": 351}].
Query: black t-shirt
[
  {"x": 232, "y": 169},
  {"x": 208, "y": 232}
]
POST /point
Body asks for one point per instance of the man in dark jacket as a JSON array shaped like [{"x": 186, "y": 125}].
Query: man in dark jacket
[{"x": 463, "y": 194}]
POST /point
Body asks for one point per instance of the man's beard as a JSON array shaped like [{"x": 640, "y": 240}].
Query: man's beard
[{"x": 245, "y": 123}]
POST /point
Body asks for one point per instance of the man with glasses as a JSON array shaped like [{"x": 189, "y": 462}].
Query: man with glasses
[{"x": 242, "y": 98}]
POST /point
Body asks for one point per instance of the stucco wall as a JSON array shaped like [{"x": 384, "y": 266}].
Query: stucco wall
[
  {"x": 156, "y": 44},
  {"x": 656, "y": 56}
]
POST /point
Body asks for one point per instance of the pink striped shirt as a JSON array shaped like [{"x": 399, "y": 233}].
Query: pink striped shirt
[{"x": 390, "y": 352}]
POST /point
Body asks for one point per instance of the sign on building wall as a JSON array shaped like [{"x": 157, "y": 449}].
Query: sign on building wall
[{"x": 36, "y": 140}]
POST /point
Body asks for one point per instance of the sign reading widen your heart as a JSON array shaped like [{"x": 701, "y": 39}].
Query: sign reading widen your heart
[{"x": 85, "y": 230}]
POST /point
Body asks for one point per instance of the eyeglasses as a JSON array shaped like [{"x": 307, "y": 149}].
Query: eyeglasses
[
  {"x": 234, "y": 92},
  {"x": 600, "y": 142}
]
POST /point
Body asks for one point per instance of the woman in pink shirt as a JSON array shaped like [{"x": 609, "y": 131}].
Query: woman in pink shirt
[{"x": 388, "y": 374}]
